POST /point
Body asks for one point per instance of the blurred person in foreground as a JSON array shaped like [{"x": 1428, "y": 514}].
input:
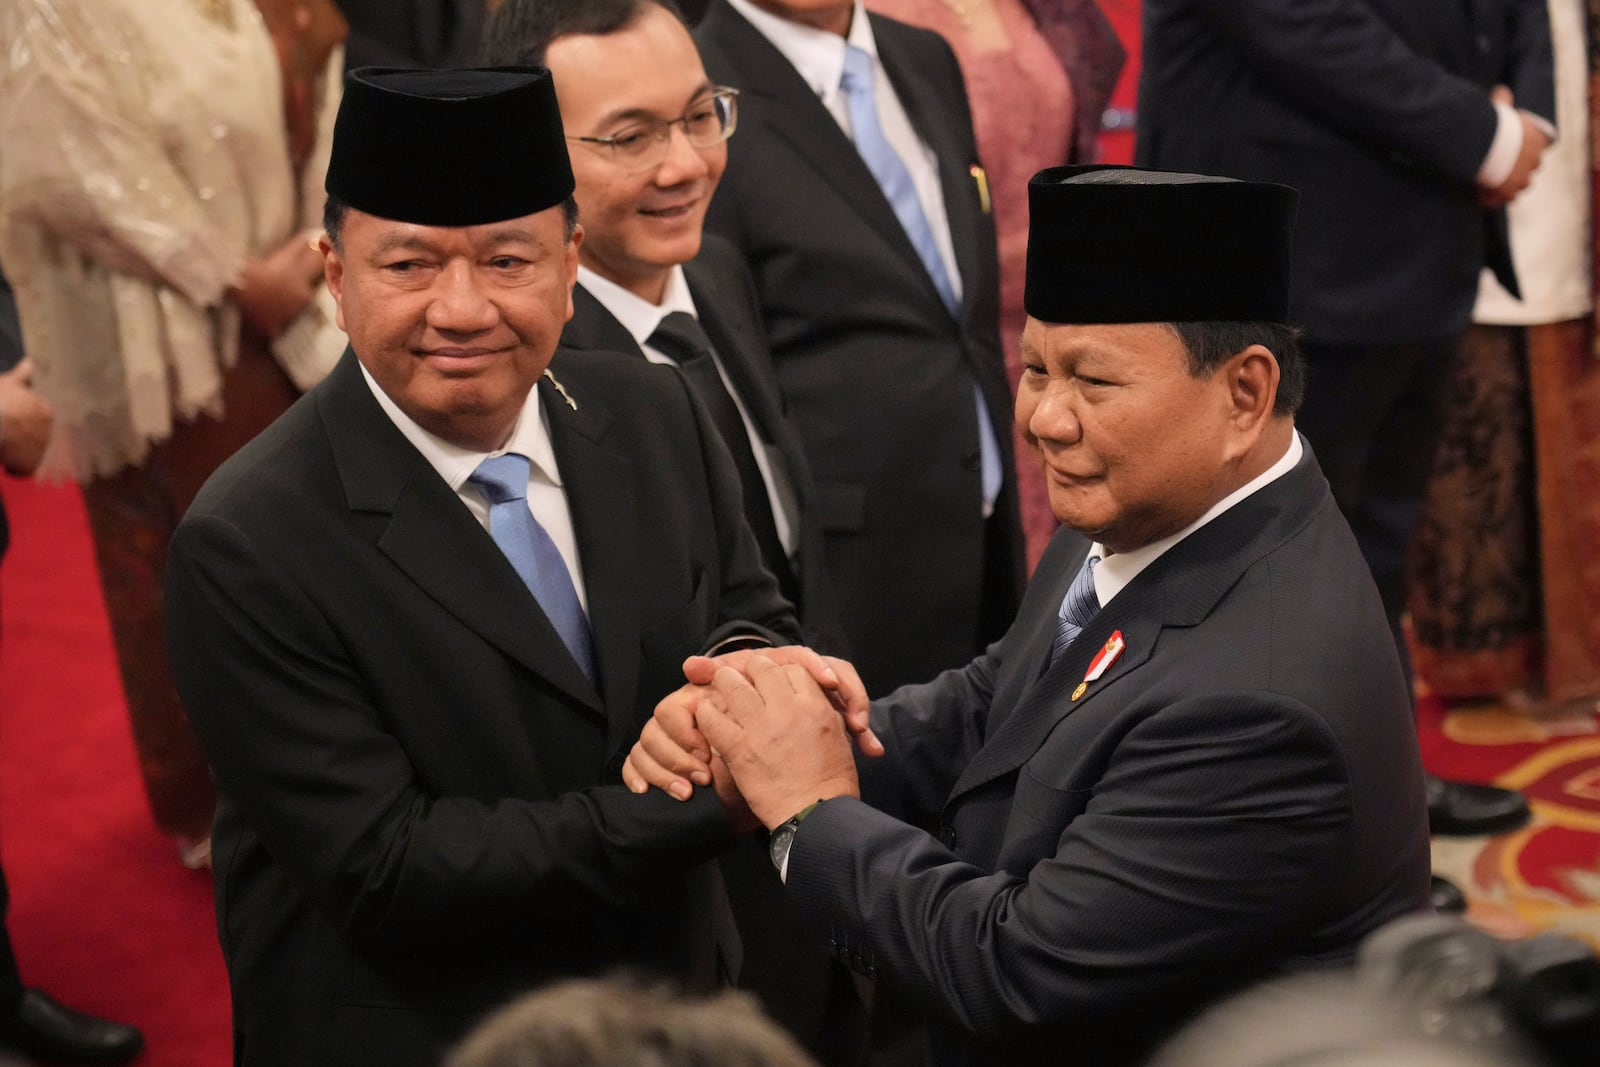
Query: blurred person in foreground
[
  {"x": 594, "y": 1023},
  {"x": 1176, "y": 774},
  {"x": 419, "y": 620}
]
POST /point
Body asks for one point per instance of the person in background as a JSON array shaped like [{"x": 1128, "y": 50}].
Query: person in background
[
  {"x": 157, "y": 196},
  {"x": 1505, "y": 596},
  {"x": 1039, "y": 73},
  {"x": 32, "y": 1022},
  {"x": 413, "y": 33},
  {"x": 1407, "y": 128},
  {"x": 855, "y": 193},
  {"x": 594, "y": 1023},
  {"x": 646, "y": 130}
]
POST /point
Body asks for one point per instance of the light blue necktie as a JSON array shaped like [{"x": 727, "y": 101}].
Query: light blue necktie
[
  {"x": 890, "y": 170},
  {"x": 1078, "y": 608},
  {"x": 535, "y": 557},
  {"x": 901, "y": 192}
]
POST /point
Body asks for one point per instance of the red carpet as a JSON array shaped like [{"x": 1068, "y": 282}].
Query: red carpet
[
  {"x": 1547, "y": 875},
  {"x": 102, "y": 914}
]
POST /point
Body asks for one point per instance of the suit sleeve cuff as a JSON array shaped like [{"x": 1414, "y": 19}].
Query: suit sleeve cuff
[{"x": 1504, "y": 149}]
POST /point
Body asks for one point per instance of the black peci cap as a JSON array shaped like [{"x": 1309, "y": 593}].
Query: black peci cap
[
  {"x": 449, "y": 147},
  {"x": 1110, "y": 244}
]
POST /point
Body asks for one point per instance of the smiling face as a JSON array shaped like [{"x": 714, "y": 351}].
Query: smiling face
[
  {"x": 455, "y": 324},
  {"x": 639, "y": 224},
  {"x": 1133, "y": 446}
]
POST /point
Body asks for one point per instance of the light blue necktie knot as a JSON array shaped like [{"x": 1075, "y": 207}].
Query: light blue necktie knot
[
  {"x": 1078, "y": 608},
  {"x": 532, "y": 552},
  {"x": 502, "y": 478}
]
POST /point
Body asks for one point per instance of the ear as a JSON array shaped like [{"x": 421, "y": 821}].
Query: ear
[
  {"x": 333, "y": 270},
  {"x": 571, "y": 266},
  {"x": 1251, "y": 377}
]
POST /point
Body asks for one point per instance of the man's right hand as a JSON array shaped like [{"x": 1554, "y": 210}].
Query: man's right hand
[
  {"x": 25, "y": 419},
  {"x": 1534, "y": 142}
]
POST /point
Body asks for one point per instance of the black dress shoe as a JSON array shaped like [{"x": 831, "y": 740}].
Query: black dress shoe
[
  {"x": 44, "y": 1029},
  {"x": 1464, "y": 809},
  {"x": 1447, "y": 897}
]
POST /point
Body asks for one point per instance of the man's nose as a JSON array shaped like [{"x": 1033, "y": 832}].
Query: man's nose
[{"x": 460, "y": 303}]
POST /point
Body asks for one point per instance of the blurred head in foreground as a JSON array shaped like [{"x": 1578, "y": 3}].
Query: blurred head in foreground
[{"x": 596, "y": 1023}]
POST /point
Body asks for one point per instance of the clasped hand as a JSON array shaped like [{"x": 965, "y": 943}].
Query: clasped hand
[{"x": 770, "y": 729}]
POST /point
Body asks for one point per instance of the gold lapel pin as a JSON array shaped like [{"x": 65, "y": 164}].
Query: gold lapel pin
[{"x": 981, "y": 179}]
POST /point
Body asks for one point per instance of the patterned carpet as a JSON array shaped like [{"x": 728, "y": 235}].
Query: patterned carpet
[{"x": 1545, "y": 876}]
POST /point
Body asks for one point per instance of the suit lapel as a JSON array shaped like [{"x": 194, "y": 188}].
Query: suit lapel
[
  {"x": 1179, "y": 589},
  {"x": 425, "y": 529},
  {"x": 594, "y": 328},
  {"x": 778, "y": 98},
  {"x": 600, "y": 494},
  {"x": 1044, "y": 702}
]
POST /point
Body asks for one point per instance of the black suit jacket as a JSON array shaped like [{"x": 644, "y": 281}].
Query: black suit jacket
[
  {"x": 877, "y": 375},
  {"x": 725, "y": 299},
  {"x": 1239, "y": 794},
  {"x": 412, "y": 33},
  {"x": 1378, "y": 112},
  {"x": 420, "y": 807}
]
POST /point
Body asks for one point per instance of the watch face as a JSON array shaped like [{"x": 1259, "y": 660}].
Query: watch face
[{"x": 778, "y": 844}]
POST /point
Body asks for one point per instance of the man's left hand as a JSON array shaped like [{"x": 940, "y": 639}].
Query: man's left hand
[
  {"x": 784, "y": 742},
  {"x": 25, "y": 419}
]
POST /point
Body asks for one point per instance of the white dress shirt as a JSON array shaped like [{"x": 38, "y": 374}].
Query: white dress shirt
[
  {"x": 640, "y": 318},
  {"x": 547, "y": 498}
]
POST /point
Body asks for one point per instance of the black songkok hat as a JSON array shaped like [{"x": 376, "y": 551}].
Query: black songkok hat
[
  {"x": 449, "y": 147},
  {"x": 1111, "y": 244}
]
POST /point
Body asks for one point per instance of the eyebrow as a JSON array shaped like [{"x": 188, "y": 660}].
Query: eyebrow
[
  {"x": 705, "y": 88},
  {"x": 415, "y": 242}
]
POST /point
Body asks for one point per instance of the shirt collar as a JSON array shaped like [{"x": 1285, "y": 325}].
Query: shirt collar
[
  {"x": 816, "y": 55},
  {"x": 637, "y": 315},
  {"x": 530, "y": 437},
  {"x": 1119, "y": 568}
]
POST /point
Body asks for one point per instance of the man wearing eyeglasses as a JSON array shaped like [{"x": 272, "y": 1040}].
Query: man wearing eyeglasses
[{"x": 646, "y": 131}]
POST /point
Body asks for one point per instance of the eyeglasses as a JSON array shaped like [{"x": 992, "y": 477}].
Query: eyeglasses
[{"x": 643, "y": 145}]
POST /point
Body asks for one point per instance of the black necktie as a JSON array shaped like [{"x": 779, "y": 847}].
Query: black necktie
[{"x": 680, "y": 338}]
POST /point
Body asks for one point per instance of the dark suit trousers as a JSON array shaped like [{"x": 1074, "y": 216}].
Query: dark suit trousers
[{"x": 1373, "y": 416}]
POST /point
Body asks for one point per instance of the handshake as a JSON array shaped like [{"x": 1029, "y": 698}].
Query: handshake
[{"x": 769, "y": 729}]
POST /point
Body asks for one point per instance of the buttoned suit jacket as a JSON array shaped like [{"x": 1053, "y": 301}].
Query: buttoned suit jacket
[
  {"x": 1378, "y": 112},
  {"x": 876, "y": 372},
  {"x": 420, "y": 805},
  {"x": 725, "y": 300},
  {"x": 1238, "y": 794}
]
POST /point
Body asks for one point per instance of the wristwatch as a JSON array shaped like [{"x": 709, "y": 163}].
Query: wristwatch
[{"x": 783, "y": 837}]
